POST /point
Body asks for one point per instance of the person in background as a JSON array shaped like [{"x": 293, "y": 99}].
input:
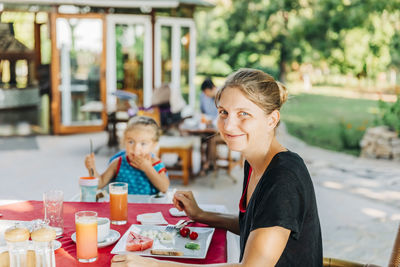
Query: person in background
[
  {"x": 207, "y": 98},
  {"x": 136, "y": 165},
  {"x": 277, "y": 217}
]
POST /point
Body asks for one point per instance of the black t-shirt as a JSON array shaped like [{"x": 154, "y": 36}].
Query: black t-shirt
[{"x": 284, "y": 197}]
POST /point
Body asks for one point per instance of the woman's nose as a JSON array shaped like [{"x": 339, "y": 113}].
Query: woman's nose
[{"x": 229, "y": 123}]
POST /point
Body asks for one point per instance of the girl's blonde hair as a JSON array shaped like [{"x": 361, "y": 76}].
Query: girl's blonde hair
[
  {"x": 259, "y": 87},
  {"x": 144, "y": 121}
]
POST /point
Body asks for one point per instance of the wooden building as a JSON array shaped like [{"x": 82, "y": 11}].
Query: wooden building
[{"x": 81, "y": 52}]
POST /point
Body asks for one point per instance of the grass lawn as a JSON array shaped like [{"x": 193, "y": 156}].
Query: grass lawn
[{"x": 329, "y": 122}]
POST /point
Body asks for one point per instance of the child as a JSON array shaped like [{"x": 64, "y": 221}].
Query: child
[{"x": 137, "y": 166}]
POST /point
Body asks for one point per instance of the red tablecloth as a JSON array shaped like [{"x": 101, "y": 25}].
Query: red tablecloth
[{"x": 66, "y": 255}]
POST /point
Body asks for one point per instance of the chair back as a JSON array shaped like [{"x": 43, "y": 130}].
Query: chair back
[
  {"x": 395, "y": 258},
  {"x": 152, "y": 112}
]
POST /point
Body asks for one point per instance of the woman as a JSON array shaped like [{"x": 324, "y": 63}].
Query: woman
[{"x": 278, "y": 220}]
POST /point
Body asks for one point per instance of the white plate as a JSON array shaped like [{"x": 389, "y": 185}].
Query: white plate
[
  {"x": 176, "y": 213},
  {"x": 204, "y": 240},
  {"x": 111, "y": 239}
]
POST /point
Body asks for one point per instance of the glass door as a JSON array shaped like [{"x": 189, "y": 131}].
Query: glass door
[
  {"x": 78, "y": 63},
  {"x": 175, "y": 54},
  {"x": 129, "y": 57}
]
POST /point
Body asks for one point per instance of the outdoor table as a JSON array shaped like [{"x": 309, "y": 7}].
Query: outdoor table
[{"x": 66, "y": 255}]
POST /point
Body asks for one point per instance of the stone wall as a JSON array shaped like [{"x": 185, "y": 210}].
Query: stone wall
[{"x": 380, "y": 142}]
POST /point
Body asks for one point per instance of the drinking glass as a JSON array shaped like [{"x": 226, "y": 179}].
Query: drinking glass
[
  {"x": 86, "y": 236},
  {"x": 118, "y": 203},
  {"x": 53, "y": 210}
]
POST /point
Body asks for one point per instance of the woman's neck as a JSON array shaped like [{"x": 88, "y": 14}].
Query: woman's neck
[{"x": 259, "y": 160}]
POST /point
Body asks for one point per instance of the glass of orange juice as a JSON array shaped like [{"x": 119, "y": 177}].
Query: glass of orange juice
[
  {"x": 118, "y": 203},
  {"x": 86, "y": 236}
]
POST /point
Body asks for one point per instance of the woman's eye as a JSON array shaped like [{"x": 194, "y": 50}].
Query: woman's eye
[
  {"x": 243, "y": 113},
  {"x": 143, "y": 144},
  {"x": 131, "y": 142},
  {"x": 222, "y": 112}
]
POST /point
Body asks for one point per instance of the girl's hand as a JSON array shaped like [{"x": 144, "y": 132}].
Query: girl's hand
[
  {"x": 90, "y": 163},
  {"x": 141, "y": 162},
  {"x": 184, "y": 201}
]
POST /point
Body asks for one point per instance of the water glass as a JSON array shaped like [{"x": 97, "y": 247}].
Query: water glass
[
  {"x": 53, "y": 210},
  {"x": 118, "y": 203},
  {"x": 86, "y": 236}
]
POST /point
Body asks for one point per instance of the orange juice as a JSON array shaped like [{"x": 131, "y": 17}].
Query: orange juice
[
  {"x": 119, "y": 206},
  {"x": 86, "y": 236}
]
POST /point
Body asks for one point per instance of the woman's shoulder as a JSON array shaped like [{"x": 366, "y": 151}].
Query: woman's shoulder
[{"x": 287, "y": 159}]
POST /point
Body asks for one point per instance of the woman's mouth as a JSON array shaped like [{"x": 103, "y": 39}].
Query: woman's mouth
[{"x": 231, "y": 136}]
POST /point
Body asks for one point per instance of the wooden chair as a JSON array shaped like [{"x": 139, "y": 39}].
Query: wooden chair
[
  {"x": 175, "y": 145},
  {"x": 225, "y": 161},
  {"x": 394, "y": 259}
]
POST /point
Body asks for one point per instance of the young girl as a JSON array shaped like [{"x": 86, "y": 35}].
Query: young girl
[
  {"x": 137, "y": 166},
  {"x": 277, "y": 217}
]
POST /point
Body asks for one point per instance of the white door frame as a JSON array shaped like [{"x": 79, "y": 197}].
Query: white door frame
[
  {"x": 111, "y": 72},
  {"x": 176, "y": 24}
]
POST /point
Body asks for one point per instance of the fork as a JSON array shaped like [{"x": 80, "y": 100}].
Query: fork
[
  {"x": 171, "y": 228},
  {"x": 183, "y": 224}
]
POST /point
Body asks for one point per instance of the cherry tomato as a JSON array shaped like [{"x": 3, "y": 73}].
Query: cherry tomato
[
  {"x": 184, "y": 231},
  {"x": 193, "y": 235}
]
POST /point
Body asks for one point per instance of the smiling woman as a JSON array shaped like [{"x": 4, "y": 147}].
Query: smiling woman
[{"x": 277, "y": 216}]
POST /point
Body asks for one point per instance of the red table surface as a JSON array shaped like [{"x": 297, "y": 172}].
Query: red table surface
[{"x": 66, "y": 255}]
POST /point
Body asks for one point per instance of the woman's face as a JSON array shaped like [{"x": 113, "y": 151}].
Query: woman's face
[
  {"x": 242, "y": 124},
  {"x": 139, "y": 141}
]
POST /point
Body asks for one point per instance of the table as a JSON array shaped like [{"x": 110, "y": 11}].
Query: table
[
  {"x": 208, "y": 153},
  {"x": 66, "y": 255}
]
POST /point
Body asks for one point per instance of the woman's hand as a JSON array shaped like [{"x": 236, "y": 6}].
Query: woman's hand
[
  {"x": 131, "y": 260},
  {"x": 184, "y": 201},
  {"x": 90, "y": 163}
]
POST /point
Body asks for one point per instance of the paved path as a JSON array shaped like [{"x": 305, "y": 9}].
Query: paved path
[{"x": 358, "y": 199}]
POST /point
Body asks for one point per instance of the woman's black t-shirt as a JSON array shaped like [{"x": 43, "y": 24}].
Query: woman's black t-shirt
[{"x": 284, "y": 197}]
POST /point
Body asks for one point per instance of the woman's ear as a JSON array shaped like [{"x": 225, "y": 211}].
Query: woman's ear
[{"x": 273, "y": 119}]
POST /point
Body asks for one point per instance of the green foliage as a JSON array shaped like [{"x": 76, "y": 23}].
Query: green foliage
[
  {"x": 358, "y": 37},
  {"x": 316, "y": 119},
  {"x": 389, "y": 115},
  {"x": 351, "y": 135}
]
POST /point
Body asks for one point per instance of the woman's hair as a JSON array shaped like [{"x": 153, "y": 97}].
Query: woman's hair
[
  {"x": 144, "y": 121},
  {"x": 259, "y": 87}
]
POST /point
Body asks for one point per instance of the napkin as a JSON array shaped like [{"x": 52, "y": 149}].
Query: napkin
[{"x": 151, "y": 218}]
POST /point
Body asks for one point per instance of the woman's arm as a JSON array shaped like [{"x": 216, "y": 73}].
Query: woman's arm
[
  {"x": 264, "y": 247},
  {"x": 184, "y": 200}
]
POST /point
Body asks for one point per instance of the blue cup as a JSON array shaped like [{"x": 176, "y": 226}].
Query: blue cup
[{"x": 88, "y": 186}]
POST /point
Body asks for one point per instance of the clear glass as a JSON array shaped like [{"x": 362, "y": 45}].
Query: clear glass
[
  {"x": 118, "y": 203},
  {"x": 53, "y": 210},
  {"x": 129, "y": 52},
  {"x": 86, "y": 236},
  {"x": 18, "y": 253},
  {"x": 44, "y": 254},
  {"x": 166, "y": 54},
  {"x": 80, "y": 45}
]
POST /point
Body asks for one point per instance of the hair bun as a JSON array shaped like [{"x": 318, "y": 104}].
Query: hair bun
[{"x": 283, "y": 92}]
